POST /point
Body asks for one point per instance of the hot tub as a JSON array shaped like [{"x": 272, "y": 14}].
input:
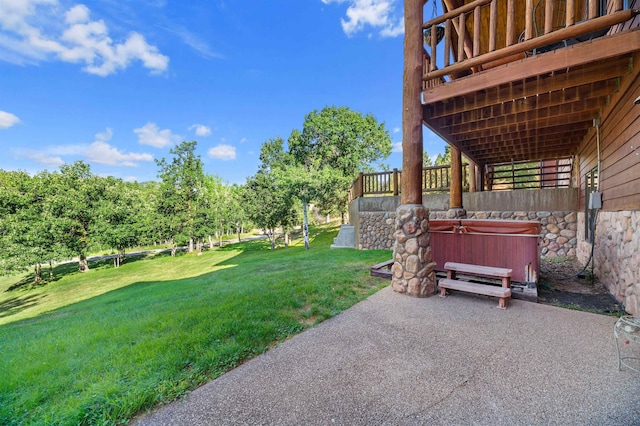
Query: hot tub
[{"x": 500, "y": 243}]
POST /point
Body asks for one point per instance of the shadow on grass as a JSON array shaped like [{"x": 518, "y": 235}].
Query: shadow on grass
[
  {"x": 70, "y": 268},
  {"x": 18, "y": 304}
]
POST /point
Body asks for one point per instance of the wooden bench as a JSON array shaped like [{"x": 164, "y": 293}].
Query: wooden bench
[
  {"x": 382, "y": 269},
  {"x": 452, "y": 283}
]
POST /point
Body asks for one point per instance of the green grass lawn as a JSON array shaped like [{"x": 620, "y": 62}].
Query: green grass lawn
[{"x": 99, "y": 347}]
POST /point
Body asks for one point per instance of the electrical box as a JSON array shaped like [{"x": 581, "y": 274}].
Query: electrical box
[{"x": 595, "y": 200}]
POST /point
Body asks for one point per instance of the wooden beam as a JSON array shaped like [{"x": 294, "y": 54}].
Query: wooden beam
[
  {"x": 537, "y": 118},
  {"x": 555, "y": 101},
  {"x": 572, "y": 91},
  {"x": 477, "y": 139},
  {"x": 568, "y": 57},
  {"x": 545, "y": 40},
  {"x": 455, "y": 12},
  {"x": 411, "y": 107}
]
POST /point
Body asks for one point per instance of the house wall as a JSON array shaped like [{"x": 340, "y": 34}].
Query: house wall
[
  {"x": 374, "y": 217},
  {"x": 617, "y": 235}
]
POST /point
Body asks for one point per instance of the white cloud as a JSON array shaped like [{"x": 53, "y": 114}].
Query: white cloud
[
  {"x": 397, "y": 147},
  {"x": 7, "y": 120},
  {"x": 243, "y": 140},
  {"x": 222, "y": 152},
  {"x": 150, "y": 134},
  {"x": 32, "y": 31},
  {"x": 378, "y": 14},
  {"x": 201, "y": 129},
  {"x": 396, "y": 129},
  {"x": 193, "y": 41},
  {"x": 102, "y": 153},
  {"x": 43, "y": 158}
]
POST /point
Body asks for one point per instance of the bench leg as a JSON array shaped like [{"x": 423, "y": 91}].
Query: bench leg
[
  {"x": 443, "y": 292},
  {"x": 502, "y": 303}
]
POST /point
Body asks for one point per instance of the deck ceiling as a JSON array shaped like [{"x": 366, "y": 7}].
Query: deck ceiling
[{"x": 540, "y": 107}]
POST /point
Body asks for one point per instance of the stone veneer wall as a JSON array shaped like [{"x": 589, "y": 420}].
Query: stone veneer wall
[
  {"x": 558, "y": 236},
  {"x": 616, "y": 256}
]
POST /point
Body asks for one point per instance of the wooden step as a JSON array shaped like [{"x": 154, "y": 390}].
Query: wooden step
[
  {"x": 484, "y": 271},
  {"x": 487, "y": 290},
  {"x": 469, "y": 287}
]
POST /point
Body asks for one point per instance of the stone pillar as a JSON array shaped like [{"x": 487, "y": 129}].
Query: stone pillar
[{"x": 413, "y": 268}]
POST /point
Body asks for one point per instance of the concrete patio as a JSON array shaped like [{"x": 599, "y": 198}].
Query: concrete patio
[{"x": 399, "y": 360}]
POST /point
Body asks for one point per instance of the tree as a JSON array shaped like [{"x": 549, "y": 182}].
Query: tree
[
  {"x": 118, "y": 213},
  {"x": 426, "y": 160},
  {"x": 269, "y": 204},
  {"x": 444, "y": 159},
  {"x": 180, "y": 193},
  {"x": 342, "y": 140},
  {"x": 76, "y": 194},
  {"x": 25, "y": 228}
]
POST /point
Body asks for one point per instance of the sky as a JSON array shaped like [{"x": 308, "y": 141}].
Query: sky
[{"x": 117, "y": 83}]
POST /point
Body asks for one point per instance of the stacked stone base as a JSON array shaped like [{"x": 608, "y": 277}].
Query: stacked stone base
[{"x": 413, "y": 270}]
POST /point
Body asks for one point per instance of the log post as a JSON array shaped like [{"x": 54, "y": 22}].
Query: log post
[
  {"x": 472, "y": 177},
  {"x": 395, "y": 182},
  {"x": 455, "y": 190},
  {"x": 411, "y": 106},
  {"x": 413, "y": 270}
]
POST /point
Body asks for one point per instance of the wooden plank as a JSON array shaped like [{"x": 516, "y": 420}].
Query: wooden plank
[
  {"x": 493, "y": 25},
  {"x": 469, "y": 287},
  {"x": 578, "y": 54},
  {"x": 481, "y": 270}
]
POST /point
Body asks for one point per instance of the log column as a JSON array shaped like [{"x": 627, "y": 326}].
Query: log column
[
  {"x": 456, "y": 211},
  {"x": 413, "y": 269}
]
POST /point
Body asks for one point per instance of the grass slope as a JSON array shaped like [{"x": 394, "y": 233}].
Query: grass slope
[{"x": 166, "y": 326}]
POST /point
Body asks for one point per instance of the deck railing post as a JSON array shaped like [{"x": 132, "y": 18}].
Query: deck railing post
[{"x": 395, "y": 182}]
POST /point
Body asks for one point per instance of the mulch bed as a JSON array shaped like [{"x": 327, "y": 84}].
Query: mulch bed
[{"x": 558, "y": 285}]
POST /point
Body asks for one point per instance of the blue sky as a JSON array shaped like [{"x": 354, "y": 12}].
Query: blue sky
[{"x": 117, "y": 83}]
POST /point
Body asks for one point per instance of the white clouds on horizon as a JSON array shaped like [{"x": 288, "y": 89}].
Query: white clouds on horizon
[
  {"x": 396, "y": 147},
  {"x": 7, "y": 120},
  {"x": 201, "y": 129},
  {"x": 98, "y": 152},
  {"x": 32, "y": 31},
  {"x": 101, "y": 152},
  {"x": 222, "y": 152},
  {"x": 150, "y": 134},
  {"x": 381, "y": 15}
]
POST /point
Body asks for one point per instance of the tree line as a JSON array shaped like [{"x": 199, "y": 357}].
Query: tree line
[{"x": 54, "y": 216}]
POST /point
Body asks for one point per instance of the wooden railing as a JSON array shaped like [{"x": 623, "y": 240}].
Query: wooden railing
[
  {"x": 554, "y": 173},
  {"x": 434, "y": 179},
  {"x": 479, "y": 43}
]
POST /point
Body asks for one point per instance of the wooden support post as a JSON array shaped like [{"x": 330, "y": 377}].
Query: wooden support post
[
  {"x": 455, "y": 191},
  {"x": 511, "y": 18},
  {"x": 395, "y": 182},
  {"x": 411, "y": 106},
  {"x": 493, "y": 25},
  {"x": 528, "y": 27},
  {"x": 472, "y": 177}
]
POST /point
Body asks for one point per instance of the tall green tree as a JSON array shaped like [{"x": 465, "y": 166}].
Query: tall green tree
[
  {"x": 343, "y": 141},
  {"x": 76, "y": 195},
  {"x": 119, "y": 216},
  {"x": 180, "y": 194},
  {"x": 25, "y": 226}
]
